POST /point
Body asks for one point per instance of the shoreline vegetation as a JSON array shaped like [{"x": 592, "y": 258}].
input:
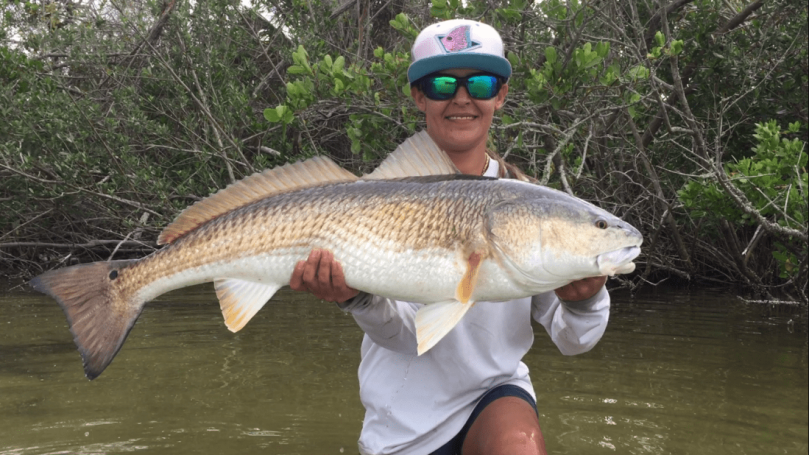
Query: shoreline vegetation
[{"x": 686, "y": 118}]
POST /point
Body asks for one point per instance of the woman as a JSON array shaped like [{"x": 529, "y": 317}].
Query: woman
[{"x": 471, "y": 393}]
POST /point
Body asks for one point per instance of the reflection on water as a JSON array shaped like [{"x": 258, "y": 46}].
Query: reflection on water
[{"x": 678, "y": 372}]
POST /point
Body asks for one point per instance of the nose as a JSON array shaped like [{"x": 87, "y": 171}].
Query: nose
[{"x": 462, "y": 96}]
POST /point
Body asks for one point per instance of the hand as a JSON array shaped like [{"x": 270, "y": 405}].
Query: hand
[
  {"x": 581, "y": 289},
  {"x": 321, "y": 275}
]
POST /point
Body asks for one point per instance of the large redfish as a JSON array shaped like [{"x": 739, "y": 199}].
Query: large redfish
[{"x": 413, "y": 230}]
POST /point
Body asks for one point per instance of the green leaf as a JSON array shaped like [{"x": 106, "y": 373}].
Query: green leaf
[
  {"x": 660, "y": 39},
  {"x": 794, "y": 127},
  {"x": 339, "y": 63},
  {"x": 592, "y": 62},
  {"x": 677, "y": 47},
  {"x": 513, "y": 59},
  {"x": 602, "y": 49},
  {"x": 550, "y": 54},
  {"x": 271, "y": 115},
  {"x": 638, "y": 72},
  {"x": 287, "y": 117}
]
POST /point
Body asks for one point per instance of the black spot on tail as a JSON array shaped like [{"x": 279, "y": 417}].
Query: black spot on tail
[{"x": 100, "y": 317}]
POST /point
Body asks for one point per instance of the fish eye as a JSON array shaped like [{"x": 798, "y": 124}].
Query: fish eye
[
  {"x": 601, "y": 224},
  {"x": 113, "y": 274}
]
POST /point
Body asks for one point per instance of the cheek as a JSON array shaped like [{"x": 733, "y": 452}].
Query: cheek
[
  {"x": 487, "y": 108},
  {"x": 434, "y": 112}
]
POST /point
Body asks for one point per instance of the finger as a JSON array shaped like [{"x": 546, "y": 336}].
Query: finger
[
  {"x": 599, "y": 281},
  {"x": 310, "y": 269},
  {"x": 581, "y": 289},
  {"x": 589, "y": 286},
  {"x": 324, "y": 270},
  {"x": 338, "y": 278},
  {"x": 344, "y": 292},
  {"x": 296, "y": 281}
]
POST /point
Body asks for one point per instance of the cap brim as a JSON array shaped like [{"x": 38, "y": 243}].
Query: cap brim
[{"x": 485, "y": 62}]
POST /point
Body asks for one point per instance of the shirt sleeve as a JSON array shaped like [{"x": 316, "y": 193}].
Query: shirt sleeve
[
  {"x": 389, "y": 323},
  {"x": 575, "y": 327}
]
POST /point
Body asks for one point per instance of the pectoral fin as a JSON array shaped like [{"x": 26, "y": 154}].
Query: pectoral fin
[
  {"x": 470, "y": 278},
  {"x": 435, "y": 320},
  {"x": 240, "y": 300}
]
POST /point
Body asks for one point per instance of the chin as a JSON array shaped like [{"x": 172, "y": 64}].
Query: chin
[{"x": 465, "y": 140}]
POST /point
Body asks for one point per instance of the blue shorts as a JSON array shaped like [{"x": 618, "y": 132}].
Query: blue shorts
[{"x": 454, "y": 446}]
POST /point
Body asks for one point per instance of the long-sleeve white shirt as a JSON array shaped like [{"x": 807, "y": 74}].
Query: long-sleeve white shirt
[{"x": 415, "y": 404}]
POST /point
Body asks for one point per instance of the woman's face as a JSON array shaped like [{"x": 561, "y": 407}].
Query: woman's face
[{"x": 460, "y": 124}]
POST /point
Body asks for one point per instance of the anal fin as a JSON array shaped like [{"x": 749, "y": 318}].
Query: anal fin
[
  {"x": 435, "y": 320},
  {"x": 240, "y": 300}
]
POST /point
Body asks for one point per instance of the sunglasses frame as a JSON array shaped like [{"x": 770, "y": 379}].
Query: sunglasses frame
[{"x": 461, "y": 82}]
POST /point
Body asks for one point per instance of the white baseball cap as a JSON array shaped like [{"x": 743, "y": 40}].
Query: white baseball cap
[{"x": 458, "y": 43}]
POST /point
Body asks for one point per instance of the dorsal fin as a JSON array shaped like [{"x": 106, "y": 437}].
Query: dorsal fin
[
  {"x": 303, "y": 174},
  {"x": 416, "y": 156}
]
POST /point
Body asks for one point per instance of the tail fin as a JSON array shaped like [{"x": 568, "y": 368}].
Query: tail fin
[{"x": 100, "y": 317}]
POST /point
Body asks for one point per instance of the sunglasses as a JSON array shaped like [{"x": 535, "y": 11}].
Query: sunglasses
[{"x": 441, "y": 87}]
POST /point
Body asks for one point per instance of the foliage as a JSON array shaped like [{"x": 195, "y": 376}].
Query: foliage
[
  {"x": 774, "y": 180},
  {"x": 384, "y": 86},
  {"x": 120, "y": 114}
]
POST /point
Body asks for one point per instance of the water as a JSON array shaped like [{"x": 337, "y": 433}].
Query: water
[{"x": 678, "y": 372}]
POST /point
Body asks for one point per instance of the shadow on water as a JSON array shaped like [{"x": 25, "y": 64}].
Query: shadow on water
[{"x": 678, "y": 372}]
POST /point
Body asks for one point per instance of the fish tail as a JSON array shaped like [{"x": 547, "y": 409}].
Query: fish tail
[{"x": 100, "y": 314}]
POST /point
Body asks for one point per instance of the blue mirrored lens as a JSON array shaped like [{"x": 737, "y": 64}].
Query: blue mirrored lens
[
  {"x": 479, "y": 86},
  {"x": 482, "y": 86},
  {"x": 441, "y": 87}
]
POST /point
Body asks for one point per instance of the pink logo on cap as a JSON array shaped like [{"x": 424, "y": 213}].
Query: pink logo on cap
[{"x": 457, "y": 40}]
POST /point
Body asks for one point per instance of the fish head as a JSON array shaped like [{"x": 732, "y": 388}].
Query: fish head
[
  {"x": 551, "y": 240},
  {"x": 457, "y": 39}
]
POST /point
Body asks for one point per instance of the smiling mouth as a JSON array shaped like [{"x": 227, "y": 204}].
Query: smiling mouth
[{"x": 461, "y": 117}]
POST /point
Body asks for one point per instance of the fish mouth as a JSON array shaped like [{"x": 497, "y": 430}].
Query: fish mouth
[{"x": 618, "y": 261}]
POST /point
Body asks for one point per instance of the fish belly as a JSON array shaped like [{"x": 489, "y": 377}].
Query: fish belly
[
  {"x": 268, "y": 268},
  {"x": 423, "y": 276}
]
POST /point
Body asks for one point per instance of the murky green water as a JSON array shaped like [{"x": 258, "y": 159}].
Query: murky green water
[{"x": 677, "y": 372}]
